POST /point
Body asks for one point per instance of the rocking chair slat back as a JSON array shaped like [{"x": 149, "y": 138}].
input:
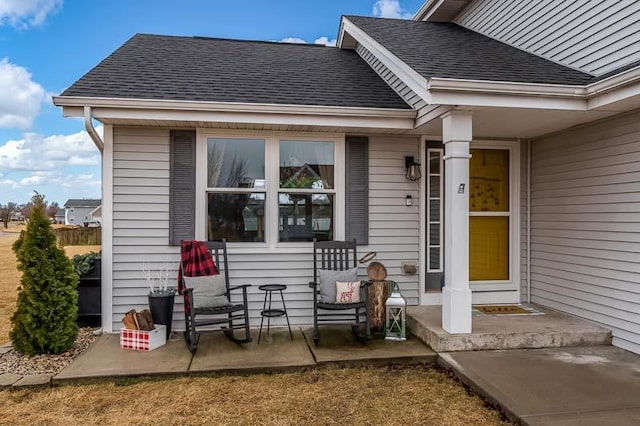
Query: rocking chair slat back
[
  {"x": 334, "y": 255},
  {"x": 218, "y": 250}
]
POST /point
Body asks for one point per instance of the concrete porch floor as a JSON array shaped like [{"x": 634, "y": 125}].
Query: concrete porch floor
[
  {"x": 491, "y": 332},
  {"x": 216, "y": 354}
]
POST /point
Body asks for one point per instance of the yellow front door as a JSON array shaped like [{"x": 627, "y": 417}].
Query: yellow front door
[{"x": 489, "y": 215}]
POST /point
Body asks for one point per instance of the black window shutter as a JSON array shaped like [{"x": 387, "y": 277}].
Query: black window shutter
[
  {"x": 182, "y": 196},
  {"x": 357, "y": 189}
]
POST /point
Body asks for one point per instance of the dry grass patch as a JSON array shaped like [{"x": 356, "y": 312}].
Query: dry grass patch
[
  {"x": 351, "y": 396},
  {"x": 9, "y": 281}
]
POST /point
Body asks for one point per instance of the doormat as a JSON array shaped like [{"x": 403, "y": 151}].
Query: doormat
[{"x": 506, "y": 310}]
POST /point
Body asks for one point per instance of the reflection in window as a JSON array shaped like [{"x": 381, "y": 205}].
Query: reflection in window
[
  {"x": 306, "y": 165},
  {"x": 235, "y": 163},
  {"x": 303, "y": 217},
  {"x": 236, "y": 217}
]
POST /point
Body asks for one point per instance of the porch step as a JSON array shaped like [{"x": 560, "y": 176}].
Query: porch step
[{"x": 552, "y": 329}]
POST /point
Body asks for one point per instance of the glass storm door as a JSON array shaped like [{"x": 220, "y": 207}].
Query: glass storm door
[{"x": 489, "y": 211}]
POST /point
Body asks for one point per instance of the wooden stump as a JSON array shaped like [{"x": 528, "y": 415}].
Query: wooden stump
[{"x": 378, "y": 295}]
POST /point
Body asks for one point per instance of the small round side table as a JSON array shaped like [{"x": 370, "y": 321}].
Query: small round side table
[{"x": 269, "y": 312}]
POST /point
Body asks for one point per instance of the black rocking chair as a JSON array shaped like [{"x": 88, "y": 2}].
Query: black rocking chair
[
  {"x": 338, "y": 256},
  {"x": 236, "y": 315}
]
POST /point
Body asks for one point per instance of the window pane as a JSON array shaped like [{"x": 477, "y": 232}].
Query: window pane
[
  {"x": 236, "y": 217},
  {"x": 434, "y": 210},
  {"x": 235, "y": 163},
  {"x": 304, "y": 217},
  {"x": 306, "y": 164},
  {"x": 489, "y": 180},
  {"x": 434, "y": 186},
  {"x": 488, "y": 248},
  {"x": 434, "y": 258},
  {"x": 434, "y": 234},
  {"x": 434, "y": 163}
]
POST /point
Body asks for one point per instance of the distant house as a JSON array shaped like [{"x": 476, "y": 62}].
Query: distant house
[
  {"x": 96, "y": 214},
  {"x": 78, "y": 212},
  {"x": 60, "y": 216}
]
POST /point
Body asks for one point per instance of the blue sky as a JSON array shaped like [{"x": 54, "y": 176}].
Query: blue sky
[{"x": 45, "y": 45}]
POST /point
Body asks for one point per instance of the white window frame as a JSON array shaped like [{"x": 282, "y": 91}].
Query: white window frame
[
  {"x": 430, "y": 222},
  {"x": 272, "y": 184}
]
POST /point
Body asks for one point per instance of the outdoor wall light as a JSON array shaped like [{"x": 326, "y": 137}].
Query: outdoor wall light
[{"x": 413, "y": 168}]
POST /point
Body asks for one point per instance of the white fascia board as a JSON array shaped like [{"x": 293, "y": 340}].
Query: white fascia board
[
  {"x": 408, "y": 75},
  {"x": 176, "y": 105},
  {"x": 427, "y": 9},
  {"x": 506, "y": 87},
  {"x": 615, "y": 88},
  {"x": 448, "y": 91},
  {"x": 501, "y": 100},
  {"x": 404, "y": 121}
]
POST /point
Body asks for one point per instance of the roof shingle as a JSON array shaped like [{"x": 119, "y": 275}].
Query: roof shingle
[
  {"x": 449, "y": 50},
  {"x": 220, "y": 70}
]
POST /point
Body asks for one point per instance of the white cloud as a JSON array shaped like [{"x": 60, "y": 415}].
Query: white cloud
[
  {"x": 320, "y": 40},
  {"x": 325, "y": 41},
  {"x": 390, "y": 9},
  {"x": 295, "y": 40},
  {"x": 8, "y": 183},
  {"x": 20, "y": 97},
  {"x": 39, "y": 154},
  {"x": 26, "y": 13}
]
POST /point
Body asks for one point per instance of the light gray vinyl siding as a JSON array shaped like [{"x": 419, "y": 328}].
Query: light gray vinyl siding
[
  {"x": 586, "y": 225},
  {"x": 595, "y": 36},
  {"x": 394, "y": 228},
  {"x": 408, "y": 95},
  {"x": 141, "y": 227}
]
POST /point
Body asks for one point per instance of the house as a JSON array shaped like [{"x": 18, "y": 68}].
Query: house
[
  {"x": 524, "y": 119},
  {"x": 60, "y": 216},
  {"x": 79, "y": 211}
]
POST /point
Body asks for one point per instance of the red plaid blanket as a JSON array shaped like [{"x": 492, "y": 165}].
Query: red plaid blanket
[{"x": 196, "y": 261}]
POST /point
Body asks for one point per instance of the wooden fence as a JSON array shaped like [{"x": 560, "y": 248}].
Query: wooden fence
[{"x": 79, "y": 236}]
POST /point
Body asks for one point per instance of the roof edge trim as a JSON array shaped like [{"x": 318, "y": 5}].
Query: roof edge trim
[
  {"x": 614, "y": 82},
  {"x": 162, "y": 104},
  {"x": 408, "y": 75},
  {"x": 427, "y": 9}
]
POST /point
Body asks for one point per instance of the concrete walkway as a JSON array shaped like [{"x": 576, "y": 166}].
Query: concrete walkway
[{"x": 598, "y": 385}]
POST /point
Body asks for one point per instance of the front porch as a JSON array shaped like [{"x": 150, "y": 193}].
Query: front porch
[
  {"x": 218, "y": 355},
  {"x": 544, "y": 328},
  {"x": 338, "y": 347}
]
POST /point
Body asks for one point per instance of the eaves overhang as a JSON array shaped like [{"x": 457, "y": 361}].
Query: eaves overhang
[{"x": 178, "y": 110}]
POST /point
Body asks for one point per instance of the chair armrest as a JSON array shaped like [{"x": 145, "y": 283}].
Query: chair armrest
[
  {"x": 187, "y": 292},
  {"x": 243, "y": 287},
  {"x": 313, "y": 284}
]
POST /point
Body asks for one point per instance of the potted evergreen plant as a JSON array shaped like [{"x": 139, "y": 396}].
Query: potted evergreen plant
[{"x": 161, "y": 296}]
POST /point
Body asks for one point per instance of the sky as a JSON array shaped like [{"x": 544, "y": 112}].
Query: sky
[{"x": 46, "y": 45}]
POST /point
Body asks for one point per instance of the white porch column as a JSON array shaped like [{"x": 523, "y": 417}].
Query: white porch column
[{"x": 456, "y": 295}]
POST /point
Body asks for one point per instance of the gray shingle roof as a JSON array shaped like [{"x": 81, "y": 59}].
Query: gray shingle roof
[
  {"x": 451, "y": 51},
  {"x": 220, "y": 70},
  {"x": 77, "y": 202}
]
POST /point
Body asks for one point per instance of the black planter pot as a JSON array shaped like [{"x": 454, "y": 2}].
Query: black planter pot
[
  {"x": 89, "y": 297},
  {"x": 161, "y": 308}
]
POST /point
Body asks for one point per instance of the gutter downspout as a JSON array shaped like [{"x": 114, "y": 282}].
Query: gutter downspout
[
  {"x": 529, "y": 221},
  {"x": 88, "y": 125}
]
